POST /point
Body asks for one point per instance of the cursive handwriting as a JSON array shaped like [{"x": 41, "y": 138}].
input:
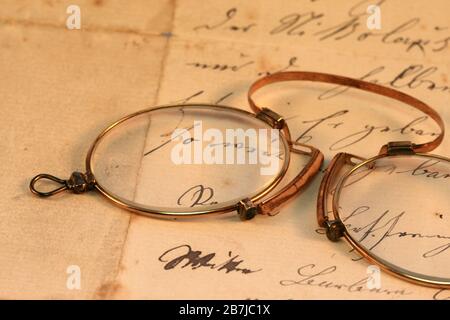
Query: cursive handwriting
[
  {"x": 236, "y": 67},
  {"x": 359, "y": 135},
  {"x": 219, "y": 66},
  {"x": 184, "y": 256},
  {"x": 200, "y": 93},
  {"x": 305, "y": 136},
  {"x": 442, "y": 294},
  {"x": 168, "y": 141},
  {"x": 368, "y": 130},
  {"x": 315, "y": 24},
  {"x": 384, "y": 226},
  {"x": 414, "y": 76},
  {"x": 425, "y": 169},
  {"x": 226, "y": 23},
  {"x": 312, "y": 276},
  {"x": 198, "y": 195}
]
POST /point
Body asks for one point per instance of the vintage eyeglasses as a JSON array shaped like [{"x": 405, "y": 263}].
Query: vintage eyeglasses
[
  {"x": 192, "y": 160},
  {"x": 393, "y": 208}
]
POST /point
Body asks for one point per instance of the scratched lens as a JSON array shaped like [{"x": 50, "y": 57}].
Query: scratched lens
[
  {"x": 189, "y": 159},
  {"x": 397, "y": 211}
]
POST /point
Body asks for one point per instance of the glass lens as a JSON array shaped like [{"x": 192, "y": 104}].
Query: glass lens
[
  {"x": 191, "y": 158},
  {"x": 397, "y": 209}
]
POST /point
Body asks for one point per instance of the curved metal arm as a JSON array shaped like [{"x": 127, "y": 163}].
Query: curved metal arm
[{"x": 358, "y": 84}]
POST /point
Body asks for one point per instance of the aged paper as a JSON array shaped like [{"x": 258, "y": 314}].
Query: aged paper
[{"x": 61, "y": 87}]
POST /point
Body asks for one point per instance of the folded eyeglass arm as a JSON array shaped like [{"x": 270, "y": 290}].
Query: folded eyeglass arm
[
  {"x": 271, "y": 205},
  {"x": 334, "y": 228}
]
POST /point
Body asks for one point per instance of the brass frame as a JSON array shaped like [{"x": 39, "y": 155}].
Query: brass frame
[
  {"x": 261, "y": 203},
  {"x": 357, "y": 84},
  {"x": 335, "y": 229},
  {"x": 385, "y": 265}
]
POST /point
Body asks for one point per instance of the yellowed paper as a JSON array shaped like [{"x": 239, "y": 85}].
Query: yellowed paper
[{"x": 61, "y": 87}]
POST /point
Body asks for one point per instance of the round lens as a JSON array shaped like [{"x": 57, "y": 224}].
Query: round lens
[
  {"x": 188, "y": 159},
  {"x": 396, "y": 210}
]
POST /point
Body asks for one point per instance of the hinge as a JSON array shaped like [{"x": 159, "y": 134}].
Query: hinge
[
  {"x": 275, "y": 120},
  {"x": 335, "y": 230},
  {"x": 398, "y": 148},
  {"x": 247, "y": 209},
  {"x": 80, "y": 182}
]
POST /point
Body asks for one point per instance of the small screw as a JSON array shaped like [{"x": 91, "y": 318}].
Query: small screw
[
  {"x": 335, "y": 230},
  {"x": 247, "y": 209}
]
